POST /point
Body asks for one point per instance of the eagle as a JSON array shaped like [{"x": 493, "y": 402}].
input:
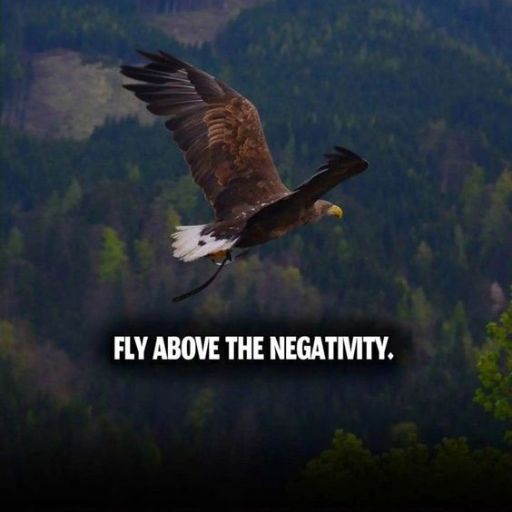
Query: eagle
[{"x": 221, "y": 136}]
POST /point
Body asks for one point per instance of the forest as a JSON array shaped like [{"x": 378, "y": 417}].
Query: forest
[{"x": 423, "y": 90}]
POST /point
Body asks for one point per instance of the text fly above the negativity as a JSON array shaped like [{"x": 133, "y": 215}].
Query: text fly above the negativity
[{"x": 251, "y": 348}]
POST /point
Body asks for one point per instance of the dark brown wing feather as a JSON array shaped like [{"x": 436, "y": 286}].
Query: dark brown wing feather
[
  {"x": 218, "y": 130},
  {"x": 341, "y": 165}
]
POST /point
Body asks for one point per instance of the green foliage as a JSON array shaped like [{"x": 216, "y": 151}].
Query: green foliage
[
  {"x": 113, "y": 262},
  {"x": 173, "y": 220},
  {"x": 424, "y": 257},
  {"x": 460, "y": 243},
  {"x": 72, "y": 197},
  {"x": 472, "y": 195},
  {"x": 133, "y": 172},
  {"x": 458, "y": 340},
  {"x": 6, "y": 337},
  {"x": 450, "y": 474},
  {"x": 55, "y": 440},
  {"x": 421, "y": 309},
  {"x": 182, "y": 194},
  {"x": 15, "y": 243},
  {"x": 145, "y": 254},
  {"x": 498, "y": 217},
  {"x": 495, "y": 368},
  {"x": 404, "y": 434},
  {"x": 341, "y": 474}
]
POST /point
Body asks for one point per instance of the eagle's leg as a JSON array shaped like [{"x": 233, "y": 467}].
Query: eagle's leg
[{"x": 219, "y": 256}]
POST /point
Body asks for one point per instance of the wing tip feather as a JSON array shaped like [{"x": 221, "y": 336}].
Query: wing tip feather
[{"x": 345, "y": 156}]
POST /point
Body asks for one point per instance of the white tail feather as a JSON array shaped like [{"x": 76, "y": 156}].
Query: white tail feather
[{"x": 189, "y": 244}]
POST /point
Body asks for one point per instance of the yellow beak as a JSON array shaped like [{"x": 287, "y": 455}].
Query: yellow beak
[{"x": 335, "y": 211}]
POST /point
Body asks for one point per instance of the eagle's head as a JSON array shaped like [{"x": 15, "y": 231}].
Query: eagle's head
[{"x": 322, "y": 208}]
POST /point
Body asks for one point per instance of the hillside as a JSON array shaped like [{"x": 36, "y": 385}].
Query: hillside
[
  {"x": 194, "y": 22},
  {"x": 67, "y": 81},
  {"x": 423, "y": 90}
]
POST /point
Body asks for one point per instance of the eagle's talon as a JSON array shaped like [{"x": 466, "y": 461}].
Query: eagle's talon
[{"x": 219, "y": 256}]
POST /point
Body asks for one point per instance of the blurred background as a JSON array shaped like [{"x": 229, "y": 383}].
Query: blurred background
[{"x": 92, "y": 187}]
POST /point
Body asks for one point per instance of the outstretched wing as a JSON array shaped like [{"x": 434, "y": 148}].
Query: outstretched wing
[
  {"x": 218, "y": 130},
  {"x": 341, "y": 165}
]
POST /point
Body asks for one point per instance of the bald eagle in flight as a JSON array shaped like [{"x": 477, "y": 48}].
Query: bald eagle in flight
[{"x": 220, "y": 133}]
